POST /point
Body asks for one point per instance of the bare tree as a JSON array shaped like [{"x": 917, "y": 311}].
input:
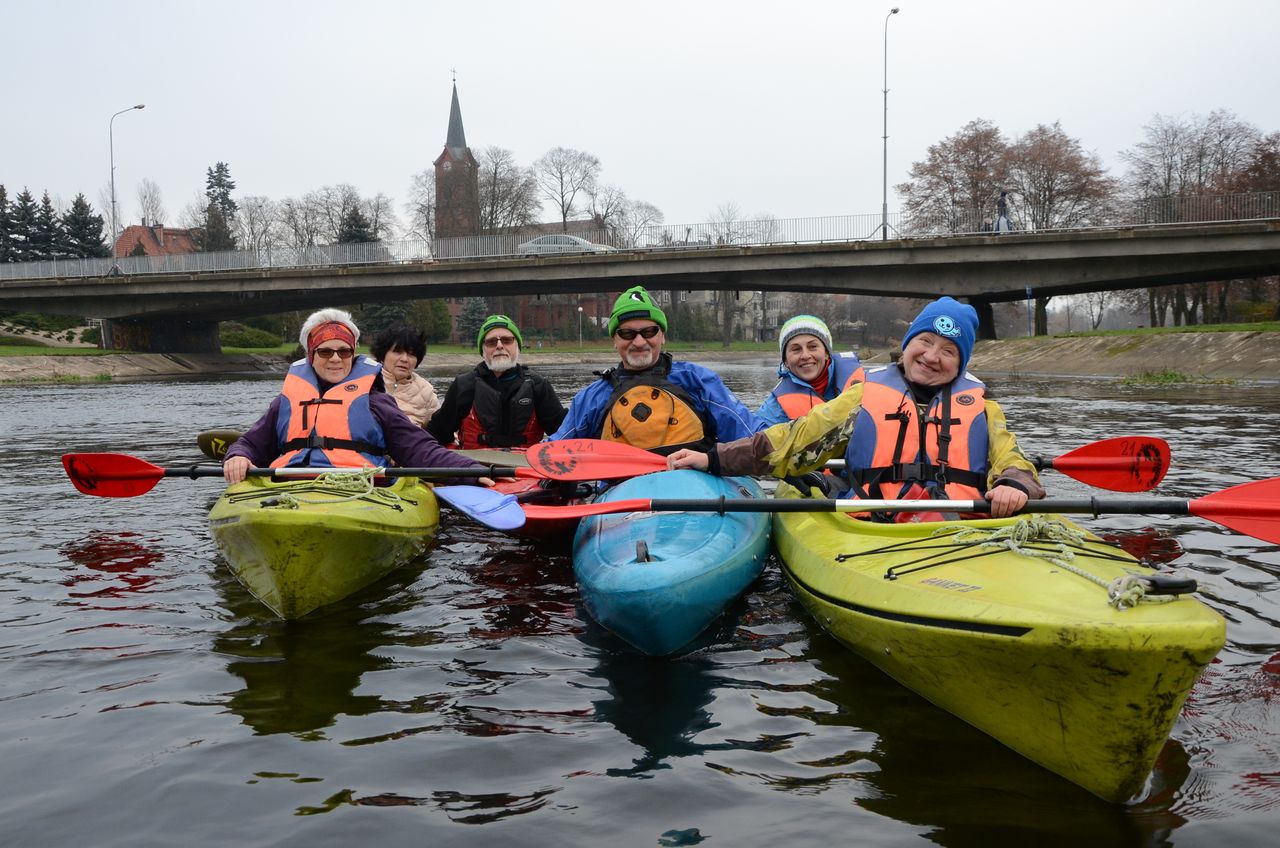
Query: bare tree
[
  {"x": 956, "y": 183},
  {"x": 1097, "y": 304},
  {"x": 508, "y": 192},
  {"x": 329, "y": 205},
  {"x": 421, "y": 208},
  {"x": 150, "y": 203},
  {"x": 1180, "y": 156},
  {"x": 607, "y": 204},
  {"x": 634, "y": 220},
  {"x": 563, "y": 176},
  {"x": 257, "y": 227},
  {"x": 380, "y": 211},
  {"x": 1057, "y": 184},
  {"x": 300, "y": 222},
  {"x": 726, "y": 224}
]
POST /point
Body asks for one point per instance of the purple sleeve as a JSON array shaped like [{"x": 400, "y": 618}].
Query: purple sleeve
[
  {"x": 258, "y": 443},
  {"x": 408, "y": 444}
]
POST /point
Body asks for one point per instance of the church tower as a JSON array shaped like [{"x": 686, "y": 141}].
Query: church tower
[{"x": 457, "y": 181}]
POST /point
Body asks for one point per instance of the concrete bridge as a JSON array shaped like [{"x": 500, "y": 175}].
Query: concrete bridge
[{"x": 179, "y": 311}]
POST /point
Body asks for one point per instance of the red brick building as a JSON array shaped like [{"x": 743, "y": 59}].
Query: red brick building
[{"x": 155, "y": 240}]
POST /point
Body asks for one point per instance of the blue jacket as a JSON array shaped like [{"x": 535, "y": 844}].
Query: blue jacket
[
  {"x": 842, "y": 369},
  {"x": 733, "y": 420}
]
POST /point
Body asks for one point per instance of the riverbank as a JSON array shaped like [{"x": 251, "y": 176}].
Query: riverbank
[{"x": 1208, "y": 356}]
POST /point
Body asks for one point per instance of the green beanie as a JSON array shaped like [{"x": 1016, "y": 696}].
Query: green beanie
[
  {"x": 635, "y": 302},
  {"x": 498, "y": 321}
]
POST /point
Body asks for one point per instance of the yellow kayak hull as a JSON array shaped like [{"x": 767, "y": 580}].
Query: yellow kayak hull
[
  {"x": 301, "y": 545},
  {"x": 1023, "y": 649}
]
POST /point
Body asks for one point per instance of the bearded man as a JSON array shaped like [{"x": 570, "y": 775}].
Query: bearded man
[{"x": 499, "y": 403}]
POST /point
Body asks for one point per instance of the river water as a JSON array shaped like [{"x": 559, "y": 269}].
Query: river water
[{"x": 147, "y": 699}]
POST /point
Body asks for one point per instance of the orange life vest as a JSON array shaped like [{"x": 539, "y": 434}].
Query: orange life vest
[
  {"x": 796, "y": 397},
  {"x": 335, "y": 429},
  {"x": 892, "y": 447}
]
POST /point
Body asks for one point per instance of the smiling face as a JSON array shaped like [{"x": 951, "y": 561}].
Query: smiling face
[
  {"x": 501, "y": 350},
  {"x": 805, "y": 356},
  {"x": 331, "y": 368},
  {"x": 400, "y": 363},
  {"x": 930, "y": 360},
  {"x": 638, "y": 353}
]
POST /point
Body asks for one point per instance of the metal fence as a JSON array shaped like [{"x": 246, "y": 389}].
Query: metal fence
[{"x": 839, "y": 228}]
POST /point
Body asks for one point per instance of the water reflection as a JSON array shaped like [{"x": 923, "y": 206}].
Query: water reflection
[
  {"x": 936, "y": 771},
  {"x": 118, "y": 564},
  {"x": 300, "y": 675}
]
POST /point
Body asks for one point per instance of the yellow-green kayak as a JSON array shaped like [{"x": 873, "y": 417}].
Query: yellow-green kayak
[
  {"x": 300, "y": 545},
  {"x": 1019, "y": 645}
]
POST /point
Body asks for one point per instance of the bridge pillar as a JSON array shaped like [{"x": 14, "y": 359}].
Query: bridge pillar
[
  {"x": 986, "y": 318},
  {"x": 160, "y": 335}
]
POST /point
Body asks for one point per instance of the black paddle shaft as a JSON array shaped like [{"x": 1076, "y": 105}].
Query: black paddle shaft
[
  {"x": 195, "y": 471},
  {"x": 1089, "y": 506}
]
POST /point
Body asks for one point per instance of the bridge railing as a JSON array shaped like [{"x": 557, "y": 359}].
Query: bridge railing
[{"x": 658, "y": 237}]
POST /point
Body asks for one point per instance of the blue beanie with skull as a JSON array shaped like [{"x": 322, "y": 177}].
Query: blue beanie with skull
[{"x": 952, "y": 320}]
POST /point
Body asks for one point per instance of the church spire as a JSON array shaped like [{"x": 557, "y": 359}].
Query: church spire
[{"x": 456, "y": 139}]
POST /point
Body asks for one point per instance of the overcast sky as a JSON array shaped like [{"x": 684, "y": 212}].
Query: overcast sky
[{"x": 776, "y": 107}]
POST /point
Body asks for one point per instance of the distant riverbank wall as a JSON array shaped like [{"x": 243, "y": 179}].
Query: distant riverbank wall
[{"x": 1215, "y": 356}]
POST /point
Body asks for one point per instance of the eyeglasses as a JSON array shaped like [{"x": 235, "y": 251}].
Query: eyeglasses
[
  {"x": 330, "y": 352},
  {"x": 494, "y": 341},
  {"x": 628, "y": 333}
]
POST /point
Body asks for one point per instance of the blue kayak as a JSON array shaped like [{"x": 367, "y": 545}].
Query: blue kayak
[{"x": 657, "y": 579}]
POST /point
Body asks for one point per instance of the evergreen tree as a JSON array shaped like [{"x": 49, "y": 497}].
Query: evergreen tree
[
  {"x": 138, "y": 249},
  {"x": 373, "y": 318},
  {"x": 355, "y": 228},
  {"x": 218, "y": 186},
  {"x": 22, "y": 222},
  {"x": 216, "y": 234},
  {"x": 441, "y": 325},
  {"x": 472, "y": 316},
  {"x": 47, "y": 240},
  {"x": 82, "y": 231},
  {"x": 4, "y": 226}
]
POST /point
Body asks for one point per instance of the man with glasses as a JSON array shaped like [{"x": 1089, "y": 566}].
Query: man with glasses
[
  {"x": 499, "y": 403},
  {"x": 650, "y": 400},
  {"x": 333, "y": 412}
]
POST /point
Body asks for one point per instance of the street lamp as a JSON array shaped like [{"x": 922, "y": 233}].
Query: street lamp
[
  {"x": 884, "y": 203},
  {"x": 111, "y": 138},
  {"x": 579, "y": 326}
]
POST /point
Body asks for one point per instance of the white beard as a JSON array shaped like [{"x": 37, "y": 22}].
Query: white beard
[{"x": 499, "y": 365}]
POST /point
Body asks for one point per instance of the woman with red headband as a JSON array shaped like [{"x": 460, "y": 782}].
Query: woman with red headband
[{"x": 333, "y": 412}]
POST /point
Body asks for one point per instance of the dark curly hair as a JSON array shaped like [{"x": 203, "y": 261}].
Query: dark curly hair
[{"x": 402, "y": 336}]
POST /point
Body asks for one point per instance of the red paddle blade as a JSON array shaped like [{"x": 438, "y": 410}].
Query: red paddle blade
[
  {"x": 543, "y": 512},
  {"x": 1123, "y": 464},
  {"x": 111, "y": 475},
  {"x": 1250, "y": 508},
  {"x": 591, "y": 459}
]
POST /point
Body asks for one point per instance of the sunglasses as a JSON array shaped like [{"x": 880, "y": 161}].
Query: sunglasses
[
  {"x": 330, "y": 352},
  {"x": 628, "y": 333},
  {"x": 494, "y": 341}
]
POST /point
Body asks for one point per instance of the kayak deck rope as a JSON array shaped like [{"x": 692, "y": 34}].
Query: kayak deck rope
[
  {"x": 1034, "y": 536},
  {"x": 348, "y": 485}
]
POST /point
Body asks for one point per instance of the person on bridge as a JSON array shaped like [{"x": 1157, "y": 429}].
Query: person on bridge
[
  {"x": 650, "y": 400},
  {"x": 921, "y": 428},
  {"x": 499, "y": 403},
  {"x": 809, "y": 374},
  {"x": 400, "y": 348},
  {"x": 333, "y": 412}
]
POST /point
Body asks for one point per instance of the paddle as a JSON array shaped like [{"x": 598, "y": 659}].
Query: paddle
[
  {"x": 1122, "y": 464},
  {"x": 117, "y": 475},
  {"x": 501, "y": 512},
  {"x": 570, "y": 460},
  {"x": 1252, "y": 509}
]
